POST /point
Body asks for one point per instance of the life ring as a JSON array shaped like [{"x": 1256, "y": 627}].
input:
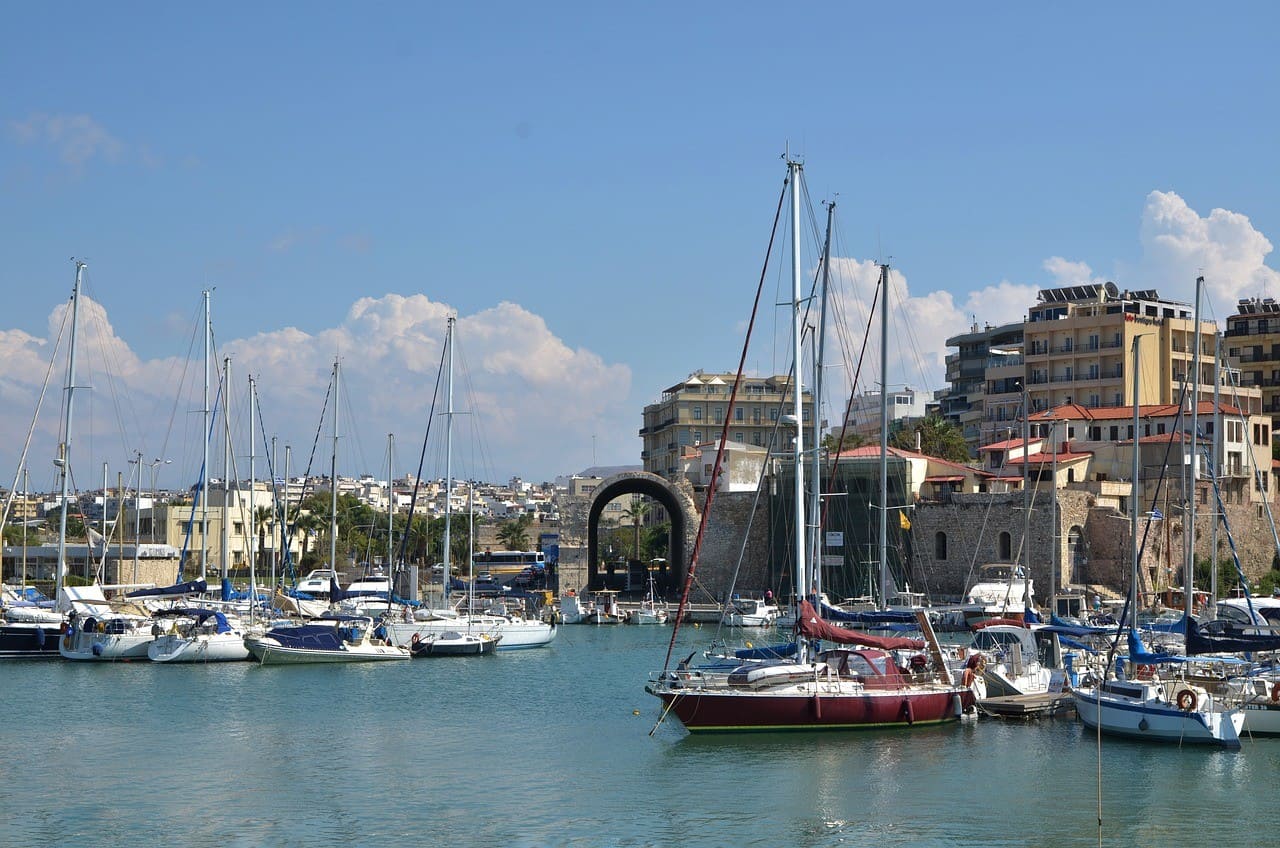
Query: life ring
[
  {"x": 416, "y": 639},
  {"x": 1187, "y": 700},
  {"x": 1275, "y": 691}
]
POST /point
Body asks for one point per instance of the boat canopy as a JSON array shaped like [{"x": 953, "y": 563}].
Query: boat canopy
[
  {"x": 831, "y": 613},
  {"x": 1220, "y": 637},
  {"x": 1139, "y": 654},
  {"x": 190, "y": 587},
  {"x": 815, "y": 628}
]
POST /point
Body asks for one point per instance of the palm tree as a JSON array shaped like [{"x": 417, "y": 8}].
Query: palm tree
[
  {"x": 514, "y": 534},
  {"x": 306, "y": 524},
  {"x": 265, "y": 518},
  {"x": 636, "y": 512}
]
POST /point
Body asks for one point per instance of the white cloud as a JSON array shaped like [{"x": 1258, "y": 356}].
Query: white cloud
[
  {"x": 1068, "y": 273},
  {"x": 75, "y": 138},
  {"x": 535, "y": 401},
  {"x": 1179, "y": 245}
]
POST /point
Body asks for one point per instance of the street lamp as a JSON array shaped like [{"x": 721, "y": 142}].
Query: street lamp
[{"x": 154, "y": 464}]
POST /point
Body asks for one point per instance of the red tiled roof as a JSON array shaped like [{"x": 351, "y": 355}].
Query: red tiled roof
[
  {"x": 1008, "y": 443},
  {"x": 873, "y": 452}
]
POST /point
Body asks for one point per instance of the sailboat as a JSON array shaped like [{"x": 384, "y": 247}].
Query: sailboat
[
  {"x": 512, "y": 631},
  {"x": 1148, "y": 707},
  {"x": 649, "y": 611},
  {"x": 836, "y": 688}
]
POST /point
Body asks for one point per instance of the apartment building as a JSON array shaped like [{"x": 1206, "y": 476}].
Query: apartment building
[
  {"x": 693, "y": 411},
  {"x": 905, "y": 405},
  {"x": 1251, "y": 345},
  {"x": 981, "y": 375}
]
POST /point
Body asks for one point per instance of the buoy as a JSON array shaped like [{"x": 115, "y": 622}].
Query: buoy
[{"x": 635, "y": 712}]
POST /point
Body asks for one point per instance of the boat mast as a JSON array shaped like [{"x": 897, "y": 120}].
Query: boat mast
[
  {"x": 391, "y": 507},
  {"x": 1135, "y": 498},
  {"x": 794, "y": 169},
  {"x": 815, "y": 501},
  {"x": 1212, "y": 611},
  {"x": 333, "y": 475},
  {"x": 253, "y": 518},
  {"x": 204, "y": 438},
  {"x": 64, "y": 451},
  {"x": 1024, "y": 554},
  {"x": 448, "y": 451},
  {"x": 226, "y": 468},
  {"x": 1189, "y": 578},
  {"x": 884, "y": 436},
  {"x": 1054, "y": 548},
  {"x": 286, "y": 556},
  {"x": 275, "y": 504}
]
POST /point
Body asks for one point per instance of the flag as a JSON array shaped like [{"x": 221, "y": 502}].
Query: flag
[
  {"x": 903, "y": 521},
  {"x": 1157, "y": 515}
]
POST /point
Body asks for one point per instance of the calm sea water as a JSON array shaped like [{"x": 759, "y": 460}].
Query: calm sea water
[{"x": 543, "y": 747}]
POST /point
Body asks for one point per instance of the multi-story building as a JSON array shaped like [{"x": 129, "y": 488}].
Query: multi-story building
[
  {"x": 905, "y": 405},
  {"x": 1078, "y": 341},
  {"x": 980, "y": 375},
  {"x": 693, "y": 411},
  {"x": 1252, "y": 345}
]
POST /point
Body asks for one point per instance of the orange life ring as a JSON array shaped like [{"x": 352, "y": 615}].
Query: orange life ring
[
  {"x": 416, "y": 639},
  {"x": 1275, "y": 691},
  {"x": 1187, "y": 700}
]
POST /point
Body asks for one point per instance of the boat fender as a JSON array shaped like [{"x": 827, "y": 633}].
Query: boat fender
[
  {"x": 40, "y": 642},
  {"x": 97, "y": 649},
  {"x": 1187, "y": 700},
  {"x": 1275, "y": 691},
  {"x": 1143, "y": 725},
  {"x": 908, "y": 712}
]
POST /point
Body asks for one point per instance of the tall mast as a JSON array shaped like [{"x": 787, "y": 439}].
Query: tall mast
[
  {"x": 285, "y": 553},
  {"x": 275, "y": 503},
  {"x": 815, "y": 501},
  {"x": 1056, "y": 541},
  {"x": 137, "y": 515},
  {"x": 448, "y": 449},
  {"x": 1024, "y": 554},
  {"x": 204, "y": 438},
  {"x": 1212, "y": 611},
  {"x": 884, "y": 436},
  {"x": 253, "y": 517},
  {"x": 1135, "y": 499},
  {"x": 64, "y": 452},
  {"x": 333, "y": 475},
  {"x": 794, "y": 169},
  {"x": 226, "y": 467},
  {"x": 1189, "y": 577},
  {"x": 391, "y": 498}
]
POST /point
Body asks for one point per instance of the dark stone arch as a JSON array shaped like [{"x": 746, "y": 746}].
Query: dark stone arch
[{"x": 678, "y": 504}]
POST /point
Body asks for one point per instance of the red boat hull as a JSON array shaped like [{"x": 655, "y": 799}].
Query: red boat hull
[{"x": 725, "y": 711}]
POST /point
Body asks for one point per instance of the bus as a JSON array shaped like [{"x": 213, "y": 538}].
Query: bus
[{"x": 508, "y": 563}]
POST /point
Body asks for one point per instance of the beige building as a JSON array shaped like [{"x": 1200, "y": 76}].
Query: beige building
[
  {"x": 1078, "y": 342},
  {"x": 1252, "y": 345},
  {"x": 694, "y": 410}
]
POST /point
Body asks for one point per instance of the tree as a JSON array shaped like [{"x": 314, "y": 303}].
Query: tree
[
  {"x": 307, "y": 523},
  {"x": 514, "y": 534},
  {"x": 850, "y": 441},
  {"x": 636, "y": 513},
  {"x": 266, "y": 520},
  {"x": 938, "y": 437}
]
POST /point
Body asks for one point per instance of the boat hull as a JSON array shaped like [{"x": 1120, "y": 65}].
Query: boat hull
[
  {"x": 222, "y": 647},
  {"x": 269, "y": 654},
  {"x": 510, "y": 635},
  {"x": 28, "y": 640},
  {"x": 804, "y": 708},
  {"x": 1161, "y": 723},
  {"x": 105, "y": 647}
]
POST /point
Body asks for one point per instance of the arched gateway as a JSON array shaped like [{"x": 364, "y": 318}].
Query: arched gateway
[{"x": 678, "y": 504}]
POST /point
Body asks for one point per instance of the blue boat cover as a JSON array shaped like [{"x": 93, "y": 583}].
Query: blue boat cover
[
  {"x": 190, "y": 587},
  {"x": 768, "y": 652},
  {"x": 1226, "y": 637},
  {"x": 1139, "y": 654},
  {"x": 830, "y": 613}
]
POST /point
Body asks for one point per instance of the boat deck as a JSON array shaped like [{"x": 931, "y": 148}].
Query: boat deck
[{"x": 1028, "y": 706}]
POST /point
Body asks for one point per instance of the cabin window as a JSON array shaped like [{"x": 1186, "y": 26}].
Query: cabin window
[
  {"x": 940, "y": 546},
  {"x": 1004, "y": 546}
]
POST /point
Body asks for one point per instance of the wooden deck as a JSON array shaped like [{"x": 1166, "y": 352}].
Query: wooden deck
[{"x": 1028, "y": 706}]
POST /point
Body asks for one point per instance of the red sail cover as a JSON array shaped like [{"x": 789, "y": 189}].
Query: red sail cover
[{"x": 815, "y": 628}]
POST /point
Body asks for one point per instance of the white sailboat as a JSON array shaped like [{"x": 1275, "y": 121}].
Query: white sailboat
[
  {"x": 513, "y": 631},
  {"x": 650, "y": 611},
  {"x": 1154, "y": 709}
]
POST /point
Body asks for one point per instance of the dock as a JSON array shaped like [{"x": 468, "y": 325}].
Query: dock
[{"x": 1028, "y": 706}]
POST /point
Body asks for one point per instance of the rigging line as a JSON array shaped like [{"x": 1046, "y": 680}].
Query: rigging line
[
  {"x": 417, "y": 480},
  {"x": 177, "y": 397},
  {"x": 724, "y": 432},
  {"x": 26, "y": 445}
]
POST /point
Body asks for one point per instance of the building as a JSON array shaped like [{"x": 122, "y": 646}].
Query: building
[
  {"x": 693, "y": 411},
  {"x": 1252, "y": 345},
  {"x": 980, "y": 374},
  {"x": 905, "y": 405}
]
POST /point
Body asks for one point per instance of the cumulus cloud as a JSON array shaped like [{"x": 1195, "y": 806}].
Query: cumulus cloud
[
  {"x": 75, "y": 138},
  {"x": 535, "y": 400},
  {"x": 1178, "y": 245}
]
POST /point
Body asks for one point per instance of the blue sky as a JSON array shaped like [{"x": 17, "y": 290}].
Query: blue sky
[{"x": 590, "y": 188}]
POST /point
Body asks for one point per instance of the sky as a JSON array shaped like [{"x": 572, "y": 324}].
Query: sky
[{"x": 589, "y": 188}]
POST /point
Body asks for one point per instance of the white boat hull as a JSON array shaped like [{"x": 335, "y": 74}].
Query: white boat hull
[
  {"x": 268, "y": 652},
  {"x": 1157, "y": 720},
  {"x": 511, "y": 635},
  {"x": 104, "y": 647},
  {"x": 218, "y": 647}
]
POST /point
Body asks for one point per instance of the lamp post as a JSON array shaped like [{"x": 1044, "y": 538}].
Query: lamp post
[{"x": 155, "y": 463}]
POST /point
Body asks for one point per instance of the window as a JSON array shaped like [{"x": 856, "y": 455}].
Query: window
[
  {"x": 1004, "y": 546},
  {"x": 940, "y": 546},
  {"x": 1114, "y": 434},
  {"x": 697, "y": 437},
  {"x": 737, "y": 437},
  {"x": 739, "y": 414},
  {"x": 1160, "y": 429},
  {"x": 697, "y": 413},
  {"x": 1071, "y": 475},
  {"x": 1095, "y": 434},
  {"x": 717, "y": 414},
  {"x": 773, "y": 413}
]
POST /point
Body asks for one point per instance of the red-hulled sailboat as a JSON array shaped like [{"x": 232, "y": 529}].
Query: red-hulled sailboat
[{"x": 859, "y": 684}]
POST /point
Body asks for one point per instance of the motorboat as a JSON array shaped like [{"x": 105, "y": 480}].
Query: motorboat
[
  {"x": 332, "y": 639},
  {"x": 452, "y": 643},
  {"x": 1258, "y": 697},
  {"x": 510, "y": 632},
  {"x": 1012, "y": 661},
  {"x": 318, "y": 584},
  {"x": 1002, "y": 590},
  {"x": 29, "y": 628},
  {"x": 649, "y": 611},
  {"x": 750, "y": 612}
]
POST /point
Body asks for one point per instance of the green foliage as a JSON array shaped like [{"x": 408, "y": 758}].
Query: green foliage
[
  {"x": 850, "y": 441},
  {"x": 513, "y": 534},
  {"x": 938, "y": 437}
]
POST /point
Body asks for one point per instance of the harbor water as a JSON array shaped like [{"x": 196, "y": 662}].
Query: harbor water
[{"x": 544, "y": 747}]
